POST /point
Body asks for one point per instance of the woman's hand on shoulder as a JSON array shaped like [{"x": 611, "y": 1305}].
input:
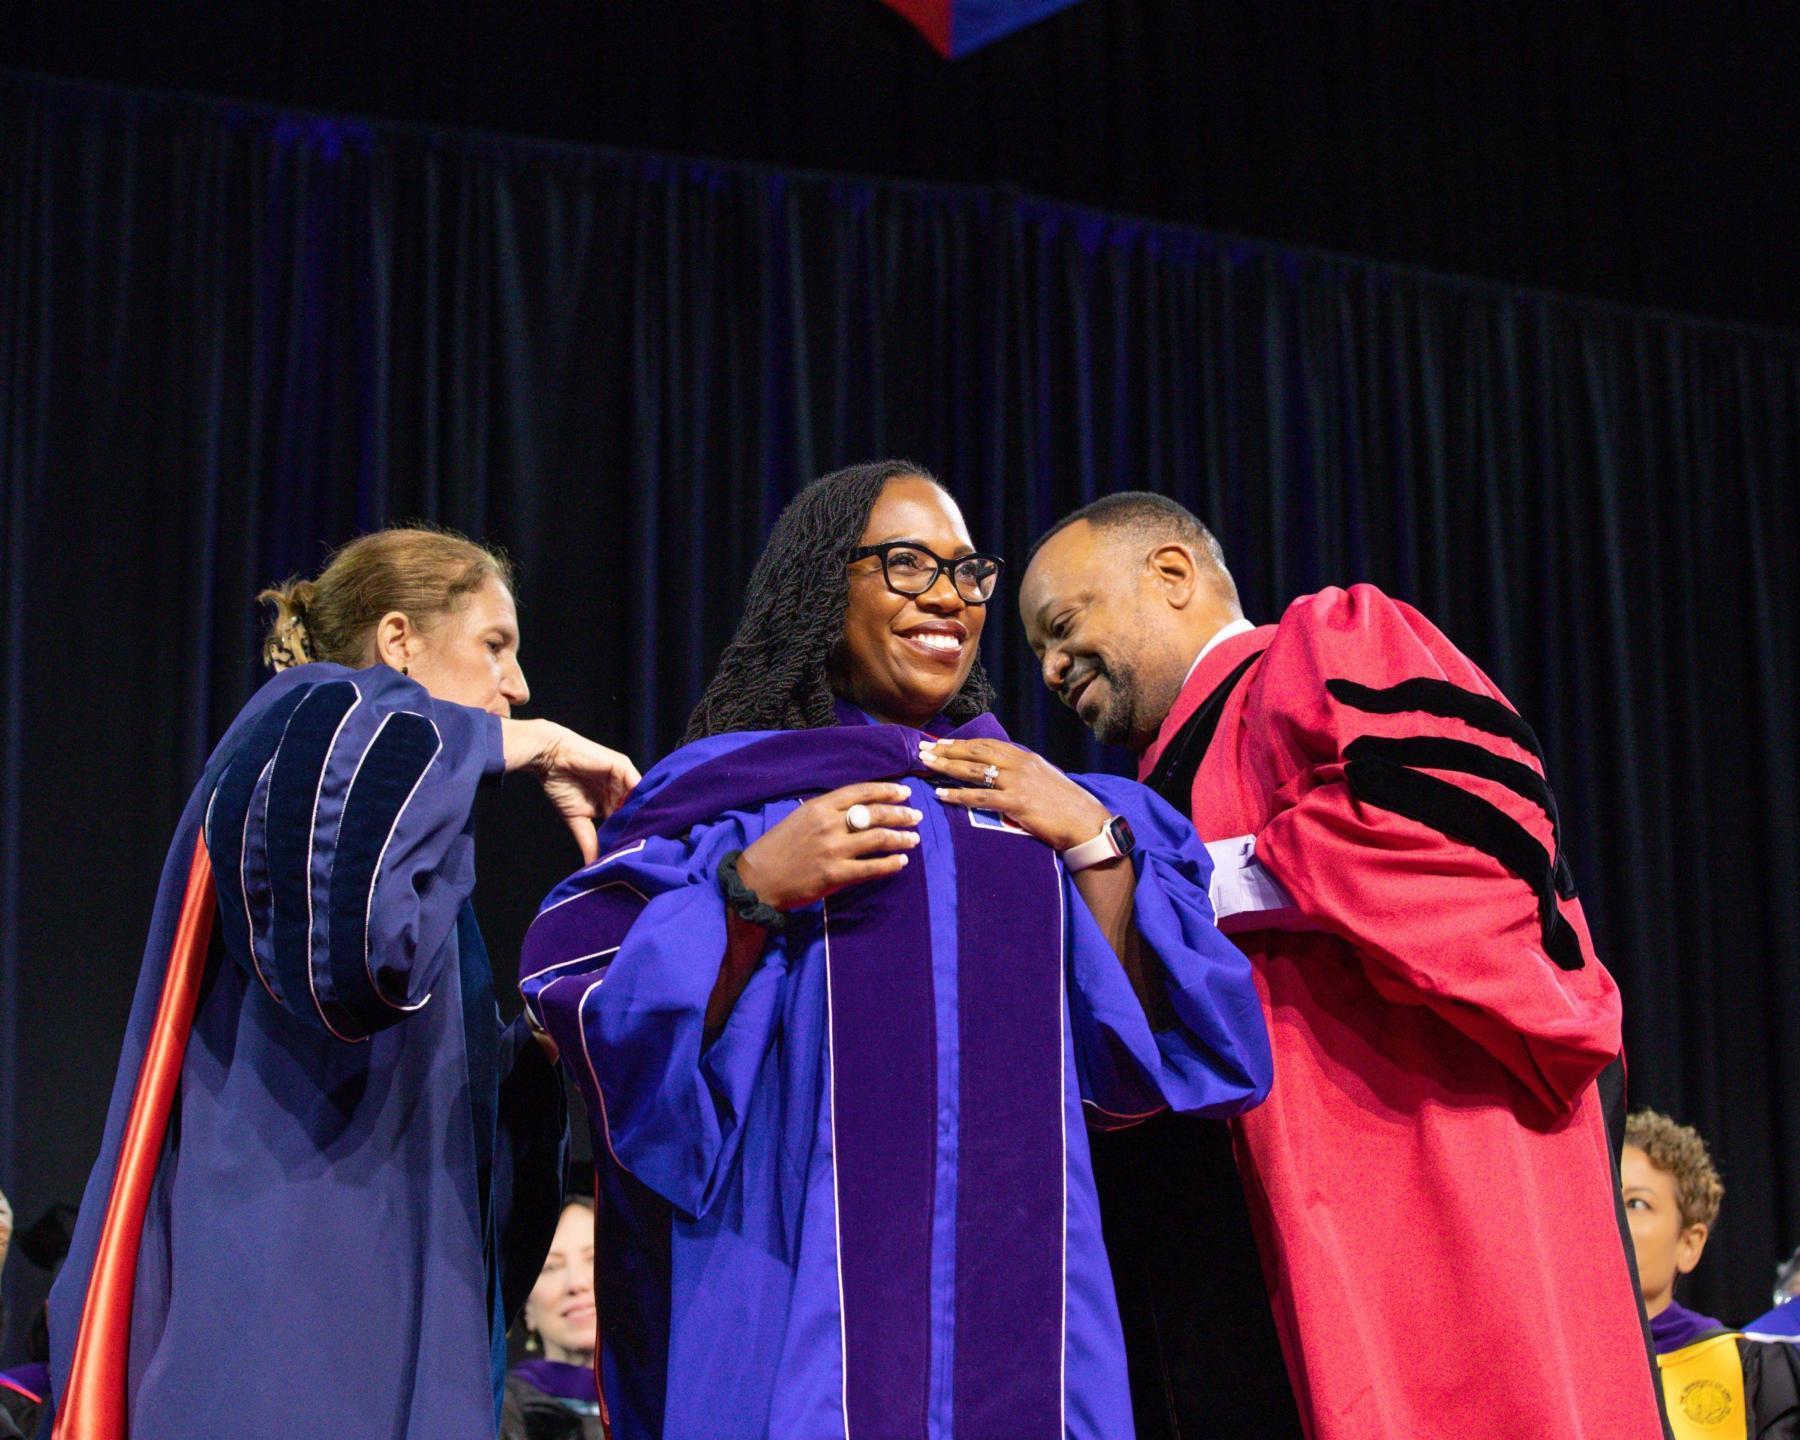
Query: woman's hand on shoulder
[
  {"x": 584, "y": 780},
  {"x": 814, "y": 852},
  {"x": 1025, "y": 787}
]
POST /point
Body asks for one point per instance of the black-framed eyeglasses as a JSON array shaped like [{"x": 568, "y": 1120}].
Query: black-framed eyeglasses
[{"x": 910, "y": 569}]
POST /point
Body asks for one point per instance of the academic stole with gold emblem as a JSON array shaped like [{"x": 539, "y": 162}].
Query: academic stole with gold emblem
[{"x": 1703, "y": 1384}]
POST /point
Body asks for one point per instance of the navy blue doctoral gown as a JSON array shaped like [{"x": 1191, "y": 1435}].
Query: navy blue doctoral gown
[{"x": 362, "y": 1166}]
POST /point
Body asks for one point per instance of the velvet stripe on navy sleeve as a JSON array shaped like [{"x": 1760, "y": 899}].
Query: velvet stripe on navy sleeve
[
  {"x": 227, "y": 817},
  {"x": 293, "y": 797},
  {"x": 389, "y": 773}
]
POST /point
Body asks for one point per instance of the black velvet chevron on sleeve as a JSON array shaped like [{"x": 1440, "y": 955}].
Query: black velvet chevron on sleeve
[
  {"x": 1388, "y": 773},
  {"x": 1438, "y": 752},
  {"x": 1439, "y": 697}
]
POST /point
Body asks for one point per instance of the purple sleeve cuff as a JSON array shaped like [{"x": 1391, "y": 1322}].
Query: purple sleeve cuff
[{"x": 493, "y": 771}]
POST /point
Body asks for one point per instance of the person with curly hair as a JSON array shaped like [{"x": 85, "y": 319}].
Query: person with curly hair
[
  {"x": 329, "y": 1173},
  {"x": 847, "y": 975},
  {"x": 1716, "y": 1381}
]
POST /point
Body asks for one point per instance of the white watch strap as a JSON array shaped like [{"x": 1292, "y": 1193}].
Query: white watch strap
[{"x": 1092, "y": 852}]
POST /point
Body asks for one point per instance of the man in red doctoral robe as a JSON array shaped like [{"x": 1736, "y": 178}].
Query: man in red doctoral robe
[{"x": 1431, "y": 1183}]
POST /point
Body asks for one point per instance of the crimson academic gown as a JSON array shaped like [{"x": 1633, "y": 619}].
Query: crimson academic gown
[{"x": 1430, "y": 1182}]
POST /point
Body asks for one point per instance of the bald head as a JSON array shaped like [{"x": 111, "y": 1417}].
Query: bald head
[
  {"x": 1117, "y": 600},
  {"x": 1142, "y": 518}
]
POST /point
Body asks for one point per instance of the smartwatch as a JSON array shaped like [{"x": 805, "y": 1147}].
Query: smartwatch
[{"x": 1112, "y": 843}]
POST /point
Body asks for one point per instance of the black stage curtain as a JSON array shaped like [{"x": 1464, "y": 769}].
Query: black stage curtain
[
  {"x": 231, "y": 336},
  {"x": 1613, "y": 147}
]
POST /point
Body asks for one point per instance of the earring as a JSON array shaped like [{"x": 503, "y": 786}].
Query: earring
[
  {"x": 406, "y": 670},
  {"x": 532, "y": 1343}
]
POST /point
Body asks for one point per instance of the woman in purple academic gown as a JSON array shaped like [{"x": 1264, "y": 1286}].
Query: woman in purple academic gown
[
  {"x": 329, "y": 1172},
  {"x": 846, "y": 977}
]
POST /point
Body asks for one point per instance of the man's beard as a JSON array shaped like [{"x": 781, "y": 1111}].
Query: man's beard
[{"x": 1117, "y": 722}]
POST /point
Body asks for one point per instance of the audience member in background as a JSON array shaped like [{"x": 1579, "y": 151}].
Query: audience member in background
[
  {"x": 13, "y": 1395},
  {"x": 6, "y": 1234},
  {"x": 19, "y": 1410},
  {"x": 1784, "y": 1320},
  {"x": 25, "y": 1389},
  {"x": 553, "y": 1395},
  {"x": 329, "y": 1172},
  {"x": 1716, "y": 1381}
]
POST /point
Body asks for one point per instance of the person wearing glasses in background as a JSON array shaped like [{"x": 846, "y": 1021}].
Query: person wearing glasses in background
[{"x": 849, "y": 971}]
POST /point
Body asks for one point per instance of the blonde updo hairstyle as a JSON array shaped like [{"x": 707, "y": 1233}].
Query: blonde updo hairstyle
[{"x": 421, "y": 572}]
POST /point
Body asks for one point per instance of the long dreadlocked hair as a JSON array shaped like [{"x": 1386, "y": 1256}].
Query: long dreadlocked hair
[{"x": 772, "y": 675}]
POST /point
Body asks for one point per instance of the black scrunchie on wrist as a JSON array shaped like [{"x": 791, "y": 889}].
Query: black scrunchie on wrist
[{"x": 747, "y": 904}]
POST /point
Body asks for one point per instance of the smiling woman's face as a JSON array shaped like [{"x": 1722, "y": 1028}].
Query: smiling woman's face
[
  {"x": 561, "y": 1305},
  {"x": 903, "y": 657}
]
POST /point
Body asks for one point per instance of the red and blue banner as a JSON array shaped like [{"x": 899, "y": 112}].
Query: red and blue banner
[{"x": 955, "y": 28}]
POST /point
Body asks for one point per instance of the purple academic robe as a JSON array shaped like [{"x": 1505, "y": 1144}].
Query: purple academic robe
[
  {"x": 1783, "y": 1322},
  {"x": 362, "y": 1168},
  {"x": 866, "y": 1208}
]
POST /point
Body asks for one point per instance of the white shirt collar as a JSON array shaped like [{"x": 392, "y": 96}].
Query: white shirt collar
[{"x": 1220, "y": 636}]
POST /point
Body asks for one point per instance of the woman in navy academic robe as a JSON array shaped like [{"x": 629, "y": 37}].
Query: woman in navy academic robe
[
  {"x": 328, "y": 1171},
  {"x": 846, "y": 977}
]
